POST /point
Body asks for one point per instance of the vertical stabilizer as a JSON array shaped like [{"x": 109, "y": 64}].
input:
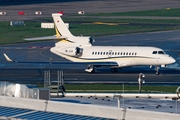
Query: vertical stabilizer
[{"x": 60, "y": 27}]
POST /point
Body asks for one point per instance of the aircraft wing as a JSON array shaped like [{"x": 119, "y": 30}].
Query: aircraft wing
[
  {"x": 47, "y": 38},
  {"x": 68, "y": 62}
]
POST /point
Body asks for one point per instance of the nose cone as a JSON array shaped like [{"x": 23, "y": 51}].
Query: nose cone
[{"x": 172, "y": 60}]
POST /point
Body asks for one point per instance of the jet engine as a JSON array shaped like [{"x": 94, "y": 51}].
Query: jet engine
[
  {"x": 91, "y": 40},
  {"x": 82, "y": 41},
  {"x": 72, "y": 51}
]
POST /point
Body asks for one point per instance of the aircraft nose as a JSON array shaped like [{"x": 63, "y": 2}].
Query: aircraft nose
[{"x": 172, "y": 60}]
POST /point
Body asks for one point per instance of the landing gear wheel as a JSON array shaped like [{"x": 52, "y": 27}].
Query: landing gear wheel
[
  {"x": 157, "y": 73},
  {"x": 90, "y": 69},
  {"x": 93, "y": 70}
]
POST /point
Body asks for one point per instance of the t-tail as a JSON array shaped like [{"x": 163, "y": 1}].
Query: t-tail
[
  {"x": 63, "y": 34},
  {"x": 62, "y": 30}
]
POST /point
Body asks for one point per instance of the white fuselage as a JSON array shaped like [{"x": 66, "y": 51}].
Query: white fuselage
[{"x": 122, "y": 55}]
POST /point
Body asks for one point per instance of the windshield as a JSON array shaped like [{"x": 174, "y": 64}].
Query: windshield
[{"x": 158, "y": 52}]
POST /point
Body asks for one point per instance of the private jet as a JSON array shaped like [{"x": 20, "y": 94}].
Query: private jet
[{"x": 79, "y": 49}]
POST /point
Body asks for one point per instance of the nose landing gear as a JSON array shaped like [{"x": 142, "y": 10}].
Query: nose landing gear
[{"x": 157, "y": 69}]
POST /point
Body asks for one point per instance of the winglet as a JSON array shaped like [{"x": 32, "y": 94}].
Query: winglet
[{"x": 7, "y": 58}]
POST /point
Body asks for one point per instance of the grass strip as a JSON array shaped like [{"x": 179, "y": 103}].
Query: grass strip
[
  {"x": 168, "y": 12},
  {"x": 16, "y": 34},
  {"x": 119, "y": 88}
]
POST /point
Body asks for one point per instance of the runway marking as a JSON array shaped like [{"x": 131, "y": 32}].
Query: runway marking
[{"x": 50, "y": 59}]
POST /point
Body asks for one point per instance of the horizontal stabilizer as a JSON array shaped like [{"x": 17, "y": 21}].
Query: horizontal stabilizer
[{"x": 47, "y": 38}]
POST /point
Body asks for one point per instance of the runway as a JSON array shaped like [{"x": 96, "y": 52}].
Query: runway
[
  {"x": 39, "y": 51},
  {"x": 127, "y": 76}
]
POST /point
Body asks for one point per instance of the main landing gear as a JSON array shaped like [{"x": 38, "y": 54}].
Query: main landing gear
[{"x": 90, "y": 69}]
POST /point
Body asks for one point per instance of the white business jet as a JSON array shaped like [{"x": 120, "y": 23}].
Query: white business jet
[{"x": 79, "y": 49}]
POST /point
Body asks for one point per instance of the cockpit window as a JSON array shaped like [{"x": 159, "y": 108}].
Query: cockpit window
[
  {"x": 161, "y": 52},
  {"x": 154, "y": 52}
]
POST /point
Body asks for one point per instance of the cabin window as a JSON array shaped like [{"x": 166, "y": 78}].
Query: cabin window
[
  {"x": 154, "y": 52},
  {"x": 106, "y": 53},
  {"x": 135, "y": 53},
  {"x": 98, "y": 53},
  {"x": 124, "y": 53},
  {"x": 115, "y": 53},
  {"x": 101, "y": 53},
  {"x": 112, "y": 53},
  {"x": 121, "y": 53},
  {"x": 93, "y": 53},
  {"x": 129, "y": 53},
  {"x": 161, "y": 52}
]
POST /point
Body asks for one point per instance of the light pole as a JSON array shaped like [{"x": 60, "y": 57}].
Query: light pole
[
  {"x": 118, "y": 99},
  {"x": 141, "y": 81},
  {"x": 178, "y": 92}
]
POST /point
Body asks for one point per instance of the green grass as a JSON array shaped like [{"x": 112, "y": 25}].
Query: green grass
[
  {"x": 174, "y": 12},
  {"x": 118, "y": 88},
  {"x": 16, "y": 34},
  {"x": 101, "y": 30},
  {"x": 118, "y": 20}
]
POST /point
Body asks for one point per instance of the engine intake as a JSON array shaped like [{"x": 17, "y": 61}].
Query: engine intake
[
  {"x": 91, "y": 40},
  {"x": 73, "y": 51},
  {"x": 79, "y": 51}
]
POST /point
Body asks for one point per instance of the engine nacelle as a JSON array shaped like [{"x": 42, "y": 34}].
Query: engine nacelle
[
  {"x": 82, "y": 40},
  {"x": 91, "y": 40},
  {"x": 72, "y": 51}
]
